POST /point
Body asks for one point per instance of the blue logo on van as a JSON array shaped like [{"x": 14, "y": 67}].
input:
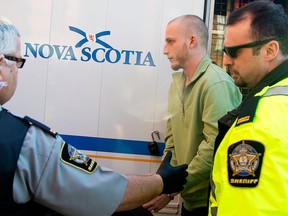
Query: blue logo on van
[
  {"x": 105, "y": 53},
  {"x": 90, "y": 37}
]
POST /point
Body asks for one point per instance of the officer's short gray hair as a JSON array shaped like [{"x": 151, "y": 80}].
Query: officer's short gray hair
[{"x": 8, "y": 32}]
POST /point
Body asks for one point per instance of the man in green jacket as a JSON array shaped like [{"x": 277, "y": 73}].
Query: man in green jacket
[{"x": 198, "y": 97}]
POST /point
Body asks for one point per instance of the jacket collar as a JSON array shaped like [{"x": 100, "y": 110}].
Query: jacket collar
[
  {"x": 202, "y": 67},
  {"x": 276, "y": 75}
]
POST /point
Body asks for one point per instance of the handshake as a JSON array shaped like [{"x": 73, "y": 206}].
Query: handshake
[{"x": 174, "y": 178}]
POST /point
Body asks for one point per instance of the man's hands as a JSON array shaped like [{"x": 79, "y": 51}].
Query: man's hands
[
  {"x": 159, "y": 202},
  {"x": 174, "y": 178}
]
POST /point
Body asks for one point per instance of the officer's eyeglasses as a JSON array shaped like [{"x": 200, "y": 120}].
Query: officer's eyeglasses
[
  {"x": 19, "y": 61},
  {"x": 232, "y": 51}
]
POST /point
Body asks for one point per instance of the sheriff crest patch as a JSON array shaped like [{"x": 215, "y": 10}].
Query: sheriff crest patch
[
  {"x": 244, "y": 163},
  {"x": 75, "y": 158}
]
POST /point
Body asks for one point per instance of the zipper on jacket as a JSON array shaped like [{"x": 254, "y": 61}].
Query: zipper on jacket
[{"x": 182, "y": 100}]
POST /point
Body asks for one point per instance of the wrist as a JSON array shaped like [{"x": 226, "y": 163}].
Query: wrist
[{"x": 160, "y": 180}]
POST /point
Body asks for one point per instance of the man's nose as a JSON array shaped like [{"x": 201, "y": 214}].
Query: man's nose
[
  {"x": 227, "y": 60},
  {"x": 165, "y": 50}
]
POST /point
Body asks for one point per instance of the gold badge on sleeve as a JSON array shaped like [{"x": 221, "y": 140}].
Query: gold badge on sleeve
[
  {"x": 73, "y": 157},
  {"x": 244, "y": 163}
]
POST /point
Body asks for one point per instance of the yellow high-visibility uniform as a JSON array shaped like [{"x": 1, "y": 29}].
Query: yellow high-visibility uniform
[{"x": 250, "y": 170}]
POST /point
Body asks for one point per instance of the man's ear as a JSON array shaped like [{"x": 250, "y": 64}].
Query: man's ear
[
  {"x": 272, "y": 49},
  {"x": 193, "y": 41},
  {"x": 2, "y": 59},
  {"x": 2, "y": 62}
]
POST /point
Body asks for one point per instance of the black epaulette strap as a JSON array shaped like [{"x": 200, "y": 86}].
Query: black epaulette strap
[
  {"x": 41, "y": 125},
  {"x": 248, "y": 111}
]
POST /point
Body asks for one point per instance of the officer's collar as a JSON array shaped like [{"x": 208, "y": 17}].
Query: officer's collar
[{"x": 277, "y": 74}]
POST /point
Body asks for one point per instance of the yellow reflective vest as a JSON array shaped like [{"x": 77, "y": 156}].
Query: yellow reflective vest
[{"x": 250, "y": 171}]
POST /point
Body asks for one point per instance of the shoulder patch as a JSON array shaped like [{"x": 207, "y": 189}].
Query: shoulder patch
[
  {"x": 73, "y": 157},
  {"x": 244, "y": 163}
]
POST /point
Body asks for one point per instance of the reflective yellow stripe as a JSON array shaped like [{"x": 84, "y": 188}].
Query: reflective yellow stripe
[
  {"x": 279, "y": 90},
  {"x": 212, "y": 200}
]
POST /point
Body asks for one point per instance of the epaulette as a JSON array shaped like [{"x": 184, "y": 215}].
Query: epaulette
[
  {"x": 40, "y": 125},
  {"x": 248, "y": 110}
]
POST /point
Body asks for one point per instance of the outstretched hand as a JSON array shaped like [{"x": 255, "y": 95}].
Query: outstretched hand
[
  {"x": 174, "y": 178},
  {"x": 157, "y": 203}
]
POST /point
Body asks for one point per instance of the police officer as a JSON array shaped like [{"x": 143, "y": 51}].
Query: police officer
[
  {"x": 41, "y": 174},
  {"x": 249, "y": 175}
]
